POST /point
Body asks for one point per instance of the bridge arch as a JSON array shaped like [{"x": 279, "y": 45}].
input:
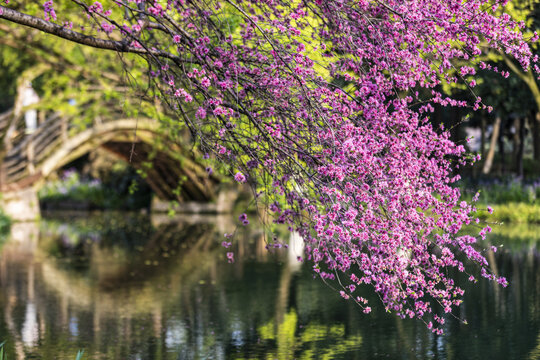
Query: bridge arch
[{"x": 173, "y": 175}]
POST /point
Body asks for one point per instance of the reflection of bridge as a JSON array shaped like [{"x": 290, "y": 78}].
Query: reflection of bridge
[
  {"x": 172, "y": 283},
  {"x": 29, "y": 159}
]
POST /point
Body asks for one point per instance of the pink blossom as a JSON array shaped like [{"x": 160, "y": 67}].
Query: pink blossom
[
  {"x": 240, "y": 177},
  {"x": 201, "y": 113}
]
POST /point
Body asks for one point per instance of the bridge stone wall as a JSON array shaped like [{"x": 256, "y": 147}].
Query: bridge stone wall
[{"x": 21, "y": 205}]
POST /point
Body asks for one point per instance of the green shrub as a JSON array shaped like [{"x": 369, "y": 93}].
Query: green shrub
[
  {"x": 502, "y": 192},
  {"x": 91, "y": 192}
]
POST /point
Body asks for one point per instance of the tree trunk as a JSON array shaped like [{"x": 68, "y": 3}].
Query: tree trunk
[
  {"x": 483, "y": 135},
  {"x": 501, "y": 148},
  {"x": 492, "y": 145},
  {"x": 454, "y": 124},
  {"x": 535, "y": 122},
  {"x": 519, "y": 155},
  {"x": 515, "y": 137},
  {"x": 530, "y": 79}
]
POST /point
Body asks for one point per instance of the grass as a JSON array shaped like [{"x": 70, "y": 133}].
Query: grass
[
  {"x": 513, "y": 200},
  {"x": 521, "y": 213},
  {"x": 502, "y": 191}
]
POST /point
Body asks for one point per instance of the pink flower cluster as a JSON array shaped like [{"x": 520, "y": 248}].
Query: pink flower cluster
[
  {"x": 316, "y": 102},
  {"x": 48, "y": 9}
]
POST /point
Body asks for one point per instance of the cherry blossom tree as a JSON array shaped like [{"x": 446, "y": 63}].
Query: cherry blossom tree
[{"x": 323, "y": 107}]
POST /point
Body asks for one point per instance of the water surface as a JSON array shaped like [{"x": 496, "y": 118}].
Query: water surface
[{"x": 134, "y": 287}]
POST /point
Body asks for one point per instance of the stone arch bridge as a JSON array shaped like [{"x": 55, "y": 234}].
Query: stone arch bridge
[{"x": 26, "y": 160}]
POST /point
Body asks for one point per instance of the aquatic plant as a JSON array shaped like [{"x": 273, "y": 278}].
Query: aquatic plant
[{"x": 3, "y": 354}]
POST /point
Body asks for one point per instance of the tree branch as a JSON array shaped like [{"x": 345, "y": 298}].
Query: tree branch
[
  {"x": 527, "y": 77},
  {"x": 62, "y": 32}
]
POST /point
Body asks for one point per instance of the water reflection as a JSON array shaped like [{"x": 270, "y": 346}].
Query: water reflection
[{"x": 133, "y": 287}]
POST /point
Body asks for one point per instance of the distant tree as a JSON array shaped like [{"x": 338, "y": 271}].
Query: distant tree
[
  {"x": 62, "y": 78},
  {"x": 323, "y": 108},
  {"x": 516, "y": 99}
]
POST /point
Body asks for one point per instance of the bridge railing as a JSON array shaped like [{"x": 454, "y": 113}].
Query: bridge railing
[
  {"x": 30, "y": 149},
  {"x": 5, "y": 120},
  {"x": 27, "y": 151}
]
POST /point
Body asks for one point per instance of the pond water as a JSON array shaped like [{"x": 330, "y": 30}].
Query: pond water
[{"x": 134, "y": 287}]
